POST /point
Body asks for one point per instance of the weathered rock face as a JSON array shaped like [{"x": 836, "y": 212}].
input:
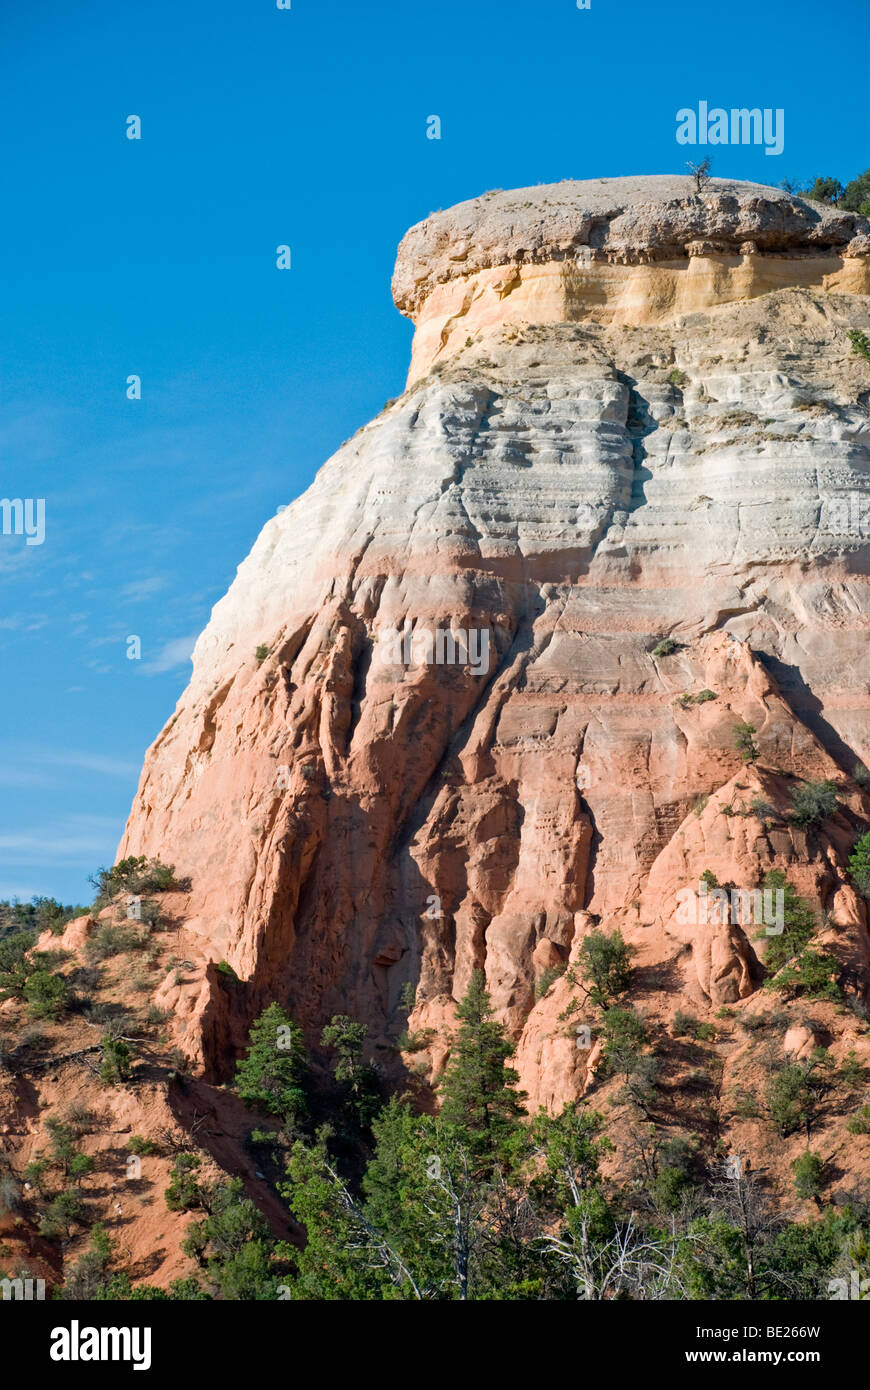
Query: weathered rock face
[
  {"x": 621, "y": 251},
  {"x": 568, "y": 490}
]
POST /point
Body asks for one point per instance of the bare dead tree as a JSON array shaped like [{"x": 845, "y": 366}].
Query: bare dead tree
[
  {"x": 744, "y": 1204},
  {"x": 628, "y": 1264},
  {"x": 468, "y": 1212},
  {"x": 700, "y": 173}
]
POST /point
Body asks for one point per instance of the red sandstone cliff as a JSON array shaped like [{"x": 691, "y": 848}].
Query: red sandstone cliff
[{"x": 633, "y": 413}]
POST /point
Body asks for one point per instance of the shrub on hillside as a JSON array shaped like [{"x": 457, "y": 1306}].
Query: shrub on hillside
[
  {"x": 859, "y": 865},
  {"x": 46, "y": 995},
  {"x": 813, "y": 802},
  {"x": 807, "y": 1171},
  {"x": 116, "y": 1066},
  {"x": 860, "y": 343},
  {"x": 135, "y": 875},
  {"x": 744, "y": 741},
  {"x": 112, "y": 940},
  {"x": 604, "y": 965},
  {"x": 16, "y": 965}
]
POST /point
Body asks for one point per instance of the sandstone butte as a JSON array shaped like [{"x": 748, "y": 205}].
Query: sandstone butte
[{"x": 633, "y": 413}]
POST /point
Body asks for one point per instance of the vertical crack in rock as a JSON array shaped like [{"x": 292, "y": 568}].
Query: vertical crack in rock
[{"x": 639, "y": 423}]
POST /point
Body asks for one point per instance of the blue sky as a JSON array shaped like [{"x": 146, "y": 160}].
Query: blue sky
[{"x": 156, "y": 257}]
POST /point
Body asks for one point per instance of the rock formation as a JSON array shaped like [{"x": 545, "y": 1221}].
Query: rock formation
[
  {"x": 618, "y": 251},
  {"x": 633, "y": 414}
]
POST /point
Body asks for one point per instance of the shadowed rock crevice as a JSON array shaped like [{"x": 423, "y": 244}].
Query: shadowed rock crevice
[
  {"x": 809, "y": 709},
  {"x": 639, "y": 423}
]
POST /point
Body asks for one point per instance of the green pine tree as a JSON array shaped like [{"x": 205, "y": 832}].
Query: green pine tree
[
  {"x": 116, "y": 1065},
  {"x": 799, "y": 922},
  {"x": 272, "y": 1076},
  {"x": 604, "y": 962},
  {"x": 233, "y": 1245},
  {"x": 16, "y": 965},
  {"x": 478, "y": 1089},
  {"x": 345, "y": 1257},
  {"x": 359, "y": 1080},
  {"x": 859, "y": 865}
]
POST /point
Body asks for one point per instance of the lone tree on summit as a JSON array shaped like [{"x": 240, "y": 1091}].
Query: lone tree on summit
[{"x": 700, "y": 173}]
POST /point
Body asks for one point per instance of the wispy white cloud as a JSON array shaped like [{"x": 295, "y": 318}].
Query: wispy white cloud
[
  {"x": 34, "y": 767},
  {"x": 171, "y": 655},
  {"x": 139, "y": 589},
  {"x": 41, "y": 847},
  {"x": 50, "y": 845},
  {"x": 66, "y": 837},
  {"x": 25, "y": 622},
  {"x": 23, "y": 777},
  {"x": 96, "y": 762},
  {"x": 14, "y": 557}
]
